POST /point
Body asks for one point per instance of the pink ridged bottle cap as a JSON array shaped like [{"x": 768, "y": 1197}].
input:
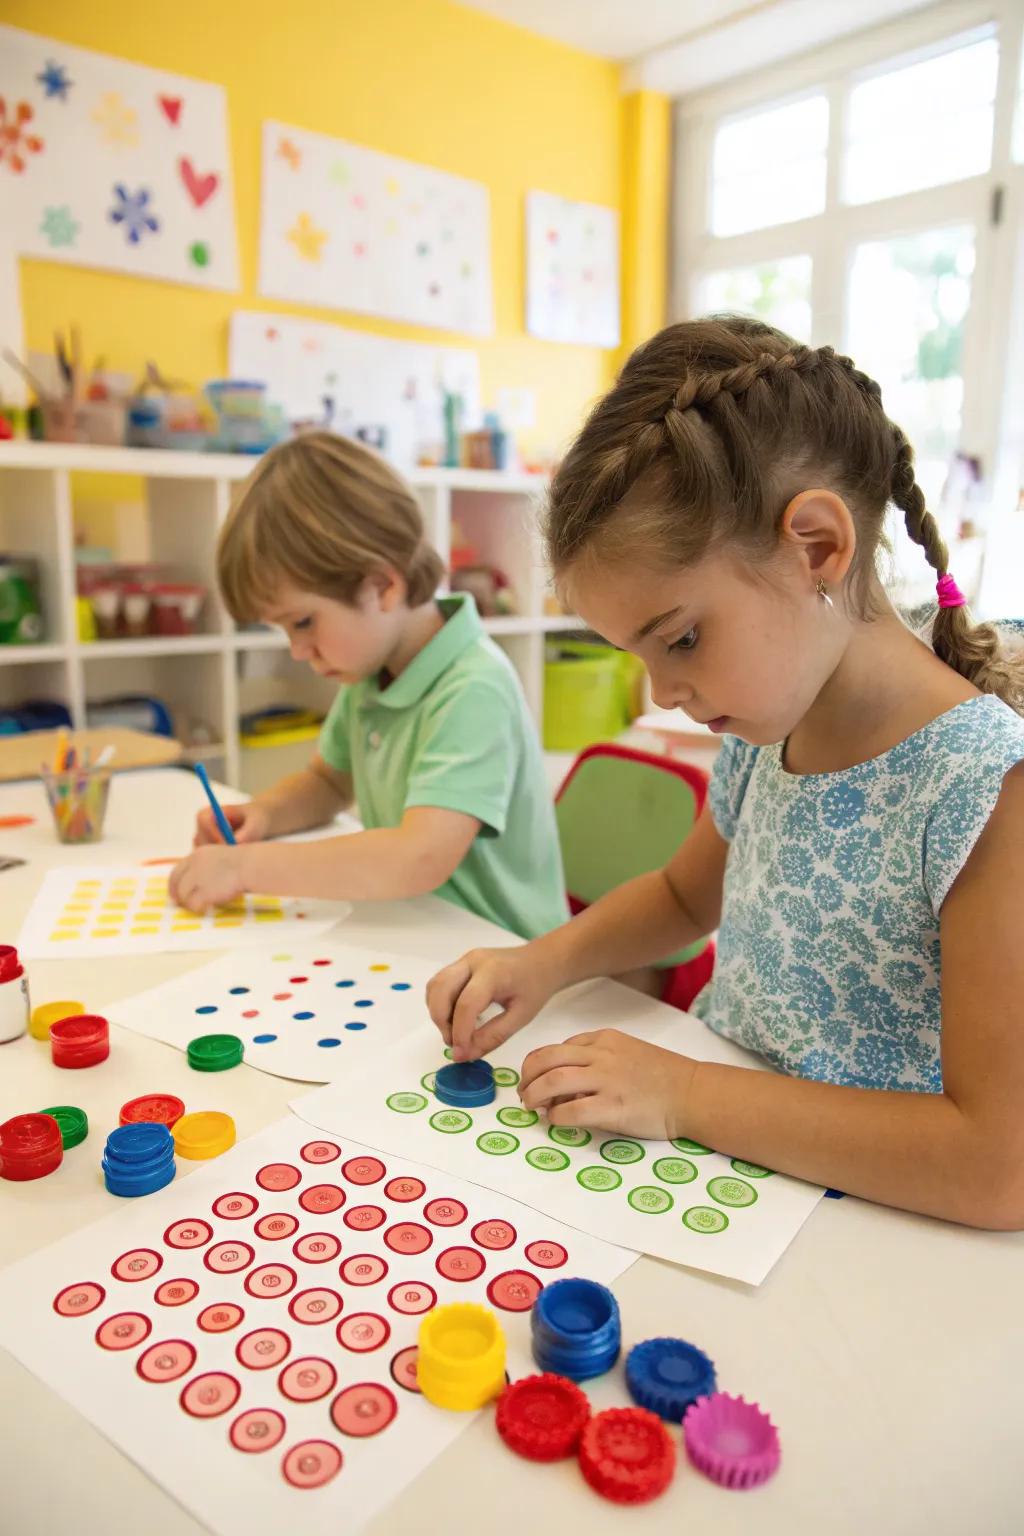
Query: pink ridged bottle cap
[{"x": 731, "y": 1441}]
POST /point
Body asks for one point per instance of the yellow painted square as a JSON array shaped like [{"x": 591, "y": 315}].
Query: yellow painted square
[
  {"x": 380, "y": 967},
  {"x": 228, "y": 922},
  {"x": 68, "y": 933},
  {"x": 145, "y": 928},
  {"x": 268, "y": 917},
  {"x": 105, "y": 933}
]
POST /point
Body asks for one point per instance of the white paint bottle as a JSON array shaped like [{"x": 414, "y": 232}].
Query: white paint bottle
[{"x": 14, "y": 1003}]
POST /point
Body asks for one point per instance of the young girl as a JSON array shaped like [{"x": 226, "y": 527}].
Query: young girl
[
  {"x": 430, "y": 733},
  {"x": 862, "y": 852}
]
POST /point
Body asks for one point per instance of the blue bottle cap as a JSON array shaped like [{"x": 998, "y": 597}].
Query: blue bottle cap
[
  {"x": 137, "y": 1143},
  {"x": 465, "y": 1083},
  {"x": 144, "y": 1182},
  {"x": 575, "y": 1329},
  {"x": 667, "y": 1375}
]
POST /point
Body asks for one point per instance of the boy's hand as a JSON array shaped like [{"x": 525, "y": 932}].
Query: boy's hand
[
  {"x": 512, "y": 979},
  {"x": 250, "y": 823},
  {"x": 610, "y": 1082},
  {"x": 209, "y": 877}
]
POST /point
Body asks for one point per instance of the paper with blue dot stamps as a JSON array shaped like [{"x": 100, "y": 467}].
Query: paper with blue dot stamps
[{"x": 307, "y": 1013}]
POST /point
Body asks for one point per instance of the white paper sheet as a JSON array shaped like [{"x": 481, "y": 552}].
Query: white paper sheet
[
  {"x": 350, "y": 228},
  {"x": 314, "y": 1014},
  {"x": 395, "y": 1224},
  {"x": 123, "y": 910},
  {"x": 104, "y": 163},
  {"x": 672, "y": 1199},
  {"x": 572, "y": 271}
]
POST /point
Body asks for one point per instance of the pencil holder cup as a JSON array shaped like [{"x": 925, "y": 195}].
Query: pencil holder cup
[{"x": 78, "y": 801}]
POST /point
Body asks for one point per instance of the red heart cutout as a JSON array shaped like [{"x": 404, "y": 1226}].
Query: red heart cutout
[
  {"x": 171, "y": 106},
  {"x": 199, "y": 188}
]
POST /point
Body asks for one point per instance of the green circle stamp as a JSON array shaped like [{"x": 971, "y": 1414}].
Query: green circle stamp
[
  {"x": 620, "y": 1151},
  {"x": 684, "y": 1144},
  {"x": 450, "y": 1121},
  {"x": 650, "y": 1201},
  {"x": 547, "y": 1159},
  {"x": 506, "y": 1077},
  {"x": 703, "y": 1218},
  {"x": 569, "y": 1135},
  {"x": 600, "y": 1180},
  {"x": 751, "y": 1170},
  {"x": 427, "y": 1081},
  {"x": 447, "y": 1053},
  {"x": 675, "y": 1170},
  {"x": 497, "y": 1143},
  {"x": 406, "y": 1103},
  {"x": 518, "y": 1118},
  {"x": 735, "y": 1192}
]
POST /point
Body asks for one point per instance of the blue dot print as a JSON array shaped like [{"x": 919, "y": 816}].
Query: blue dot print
[
  {"x": 237, "y": 991},
  {"x": 400, "y": 986},
  {"x": 344, "y": 983},
  {"x": 207, "y": 1008},
  {"x": 329, "y": 1040},
  {"x": 358, "y": 1024},
  {"x": 364, "y": 1002},
  {"x": 263, "y": 1039},
  {"x": 303, "y": 1015}
]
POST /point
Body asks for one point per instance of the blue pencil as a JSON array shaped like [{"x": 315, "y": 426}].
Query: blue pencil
[{"x": 222, "y": 821}]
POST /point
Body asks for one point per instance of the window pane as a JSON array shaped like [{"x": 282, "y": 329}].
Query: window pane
[
  {"x": 923, "y": 125},
  {"x": 776, "y": 291},
  {"x": 769, "y": 168}
]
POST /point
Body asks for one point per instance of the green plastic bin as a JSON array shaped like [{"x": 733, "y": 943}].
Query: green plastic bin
[{"x": 588, "y": 691}]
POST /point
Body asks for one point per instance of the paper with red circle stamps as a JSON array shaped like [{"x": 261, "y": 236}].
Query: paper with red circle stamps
[
  {"x": 546, "y": 1254},
  {"x": 412, "y": 1297},
  {"x": 363, "y": 1409},
  {"x": 276, "y": 1225},
  {"x": 445, "y": 1212},
  {"x": 229, "y": 1258},
  {"x": 220, "y": 1317},
  {"x": 137, "y": 1264},
  {"x": 494, "y": 1233},
  {"x": 193, "y": 1232},
  {"x": 460, "y": 1264},
  {"x": 123, "y": 1331},
  {"x": 363, "y": 1269},
  {"x": 316, "y": 1247},
  {"x": 210, "y": 1395},
  {"x": 80, "y": 1299},
  {"x": 364, "y": 1218},
  {"x": 405, "y": 1188},
  {"x": 311, "y": 1463},
  {"x": 175, "y": 1293},
  {"x": 363, "y": 1170},
  {"x": 322, "y": 1199},
  {"x": 314, "y": 1306},
  {"x": 269, "y": 1281},
  {"x": 363, "y": 1331},
  {"x": 403, "y": 1369},
  {"x": 262, "y": 1348},
  {"x": 514, "y": 1291},
  {"x": 307, "y": 1380},
  {"x": 256, "y": 1430},
  {"x": 408, "y": 1237},
  {"x": 320, "y": 1152},
  {"x": 166, "y": 1361},
  {"x": 278, "y": 1177},
  {"x": 235, "y": 1205}
]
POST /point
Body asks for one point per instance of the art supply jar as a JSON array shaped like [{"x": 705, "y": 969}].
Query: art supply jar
[
  {"x": 15, "y": 1009},
  {"x": 78, "y": 803},
  {"x": 21, "y": 617}
]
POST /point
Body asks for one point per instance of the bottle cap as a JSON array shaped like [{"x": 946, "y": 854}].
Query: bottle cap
[
  {"x": 82, "y": 1040},
  {"x": 48, "y": 1013},
  {"x": 575, "y": 1329},
  {"x": 214, "y": 1053},
  {"x": 205, "y": 1134},
  {"x": 626, "y": 1455},
  {"x": 73, "y": 1123},
  {"x": 461, "y": 1359},
  {"x": 542, "y": 1417},
  {"x": 10, "y": 966},
  {"x": 138, "y": 1159},
  {"x": 731, "y": 1441},
  {"x": 161, "y": 1108},
  {"x": 466, "y": 1084},
  {"x": 667, "y": 1375},
  {"x": 30, "y": 1147}
]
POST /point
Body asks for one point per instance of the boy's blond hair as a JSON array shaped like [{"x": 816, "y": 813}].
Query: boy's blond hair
[{"x": 322, "y": 512}]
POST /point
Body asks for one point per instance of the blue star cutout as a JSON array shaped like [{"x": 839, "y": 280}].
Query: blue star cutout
[{"x": 54, "y": 80}]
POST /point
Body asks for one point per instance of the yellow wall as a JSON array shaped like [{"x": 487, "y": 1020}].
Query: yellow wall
[{"x": 426, "y": 79}]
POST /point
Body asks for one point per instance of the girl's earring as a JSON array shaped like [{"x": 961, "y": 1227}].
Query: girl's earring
[{"x": 822, "y": 592}]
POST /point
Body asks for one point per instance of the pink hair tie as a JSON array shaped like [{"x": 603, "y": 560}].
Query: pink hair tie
[{"x": 950, "y": 595}]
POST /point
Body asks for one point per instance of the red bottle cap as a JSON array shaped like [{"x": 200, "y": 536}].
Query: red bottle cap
[
  {"x": 155, "y": 1108},
  {"x": 542, "y": 1417},
  {"x": 10, "y": 966},
  {"x": 626, "y": 1455},
  {"x": 80, "y": 1041},
  {"x": 30, "y": 1146}
]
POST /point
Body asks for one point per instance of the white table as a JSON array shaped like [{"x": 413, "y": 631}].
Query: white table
[{"x": 888, "y": 1348}]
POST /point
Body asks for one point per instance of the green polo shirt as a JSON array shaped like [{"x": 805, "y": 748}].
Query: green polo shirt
[{"x": 453, "y": 730}]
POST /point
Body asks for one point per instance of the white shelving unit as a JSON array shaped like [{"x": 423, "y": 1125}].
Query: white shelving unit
[{"x": 224, "y": 672}]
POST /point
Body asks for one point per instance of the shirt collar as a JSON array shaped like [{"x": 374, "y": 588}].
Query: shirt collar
[{"x": 460, "y": 630}]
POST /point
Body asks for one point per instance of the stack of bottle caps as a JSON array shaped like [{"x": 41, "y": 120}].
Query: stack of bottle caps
[{"x": 138, "y": 1159}]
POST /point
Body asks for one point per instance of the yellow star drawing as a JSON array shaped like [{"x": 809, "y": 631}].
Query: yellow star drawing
[
  {"x": 118, "y": 123},
  {"x": 306, "y": 238}
]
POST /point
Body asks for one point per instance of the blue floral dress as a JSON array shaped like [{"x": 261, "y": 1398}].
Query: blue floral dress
[{"x": 828, "y": 951}]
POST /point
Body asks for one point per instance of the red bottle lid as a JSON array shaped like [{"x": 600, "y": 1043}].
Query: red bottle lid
[
  {"x": 80, "y": 1041},
  {"x": 626, "y": 1455},
  {"x": 159, "y": 1108},
  {"x": 10, "y": 966},
  {"x": 542, "y": 1417},
  {"x": 30, "y": 1146}
]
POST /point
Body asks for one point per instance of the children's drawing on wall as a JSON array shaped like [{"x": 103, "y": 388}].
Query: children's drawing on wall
[{"x": 572, "y": 271}]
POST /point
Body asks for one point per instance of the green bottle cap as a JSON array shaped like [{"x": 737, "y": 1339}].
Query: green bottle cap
[
  {"x": 214, "y": 1053},
  {"x": 73, "y": 1122}
]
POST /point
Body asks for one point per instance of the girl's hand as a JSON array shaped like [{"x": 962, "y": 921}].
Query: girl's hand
[
  {"x": 610, "y": 1082},
  {"x": 209, "y": 877},
  {"x": 250, "y": 823},
  {"x": 512, "y": 979}
]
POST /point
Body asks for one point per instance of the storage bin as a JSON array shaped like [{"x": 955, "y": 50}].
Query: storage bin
[{"x": 588, "y": 694}]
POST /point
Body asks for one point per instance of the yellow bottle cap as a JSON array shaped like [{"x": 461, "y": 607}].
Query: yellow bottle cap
[
  {"x": 461, "y": 1360},
  {"x": 207, "y": 1133},
  {"x": 51, "y": 1013}
]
